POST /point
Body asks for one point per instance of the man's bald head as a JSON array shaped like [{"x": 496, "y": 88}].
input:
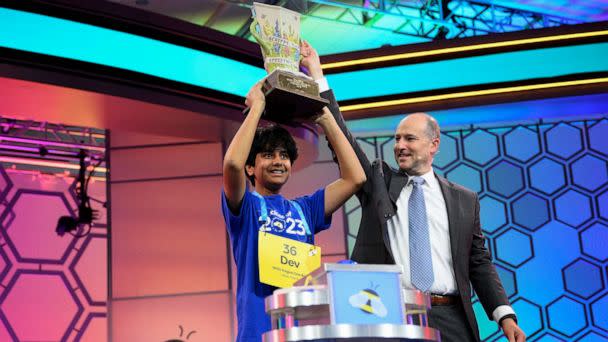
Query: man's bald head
[
  {"x": 417, "y": 140},
  {"x": 432, "y": 127}
]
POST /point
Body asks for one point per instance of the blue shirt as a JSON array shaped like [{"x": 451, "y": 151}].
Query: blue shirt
[{"x": 283, "y": 220}]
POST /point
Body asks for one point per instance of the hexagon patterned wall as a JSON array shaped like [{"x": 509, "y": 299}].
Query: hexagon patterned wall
[
  {"x": 53, "y": 288},
  {"x": 544, "y": 208}
]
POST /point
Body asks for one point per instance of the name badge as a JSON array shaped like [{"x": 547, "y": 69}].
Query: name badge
[{"x": 284, "y": 261}]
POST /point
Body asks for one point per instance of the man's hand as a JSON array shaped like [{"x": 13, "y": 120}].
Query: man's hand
[
  {"x": 255, "y": 95},
  {"x": 322, "y": 117},
  {"x": 512, "y": 331},
  {"x": 310, "y": 60}
]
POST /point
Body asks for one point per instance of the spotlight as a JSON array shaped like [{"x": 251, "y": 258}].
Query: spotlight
[
  {"x": 43, "y": 151},
  {"x": 66, "y": 224},
  {"x": 442, "y": 33},
  {"x": 86, "y": 215}
]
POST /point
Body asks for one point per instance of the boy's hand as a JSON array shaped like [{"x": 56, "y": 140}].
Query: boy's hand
[
  {"x": 310, "y": 60},
  {"x": 255, "y": 95}
]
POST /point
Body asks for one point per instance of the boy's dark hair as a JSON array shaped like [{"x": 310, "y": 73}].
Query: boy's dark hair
[{"x": 267, "y": 139}]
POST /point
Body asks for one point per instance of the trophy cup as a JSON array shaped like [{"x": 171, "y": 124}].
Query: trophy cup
[{"x": 289, "y": 93}]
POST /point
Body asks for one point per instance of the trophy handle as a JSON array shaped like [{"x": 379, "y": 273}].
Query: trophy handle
[{"x": 254, "y": 32}]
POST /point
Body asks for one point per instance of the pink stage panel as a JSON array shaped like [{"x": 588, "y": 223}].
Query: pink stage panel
[
  {"x": 92, "y": 268},
  {"x": 51, "y": 284},
  {"x": 96, "y": 330},
  {"x": 205, "y": 317},
  {"x": 168, "y": 237},
  {"x": 123, "y": 139},
  {"x": 40, "y": 307},
  {"x": 166, "y": 161},
  {"x": 34, "y": 236}
]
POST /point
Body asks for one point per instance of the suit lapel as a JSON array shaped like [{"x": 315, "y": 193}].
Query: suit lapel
[
  {"x": 398, "y": 181},
  {"x": 451, "y": 198}
]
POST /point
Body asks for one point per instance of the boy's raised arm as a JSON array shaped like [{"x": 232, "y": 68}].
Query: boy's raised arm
[{"x": 238, "y": 150}]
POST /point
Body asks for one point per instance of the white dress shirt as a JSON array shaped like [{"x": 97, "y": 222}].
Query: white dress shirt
[{"x": 441, "y": 251}]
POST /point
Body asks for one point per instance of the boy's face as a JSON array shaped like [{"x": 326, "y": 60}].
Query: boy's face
[{"x": 271, "y": 170}]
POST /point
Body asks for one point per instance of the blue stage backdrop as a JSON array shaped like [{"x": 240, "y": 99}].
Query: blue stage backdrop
[{"x": 543, "y": 190}]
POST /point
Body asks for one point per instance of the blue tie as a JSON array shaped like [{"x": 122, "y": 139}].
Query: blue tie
[{"x": 421, "y": 264}]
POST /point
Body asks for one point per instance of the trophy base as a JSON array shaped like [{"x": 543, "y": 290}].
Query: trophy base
[{"x": 290, "y": 97}]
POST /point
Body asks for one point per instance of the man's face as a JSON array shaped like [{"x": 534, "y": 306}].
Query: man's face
[
  {"x": 271, "y": 170},
  {"x": 414, "y": 149}
]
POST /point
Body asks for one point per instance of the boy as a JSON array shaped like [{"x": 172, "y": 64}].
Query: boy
[{"x": 266, "y": 156}]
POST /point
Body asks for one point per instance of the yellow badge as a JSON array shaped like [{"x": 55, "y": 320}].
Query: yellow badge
[{"x": 283, "y": 261}]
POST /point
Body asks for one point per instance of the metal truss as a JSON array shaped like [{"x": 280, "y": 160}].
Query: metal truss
[
  {"x": 33, "y": 139},
  {"x": 430, "y": 19}
]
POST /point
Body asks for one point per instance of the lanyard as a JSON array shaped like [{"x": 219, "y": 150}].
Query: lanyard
[{"x": 296, "y": 205}]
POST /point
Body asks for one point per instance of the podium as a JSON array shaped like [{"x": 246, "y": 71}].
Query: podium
[{"x": 345, "y": 302}]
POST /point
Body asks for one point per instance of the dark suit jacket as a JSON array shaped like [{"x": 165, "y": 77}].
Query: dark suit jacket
[{"x": 471, "y": 259}]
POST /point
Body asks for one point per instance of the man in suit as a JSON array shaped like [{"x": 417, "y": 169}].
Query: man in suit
[{"x": 449, "y": 255}]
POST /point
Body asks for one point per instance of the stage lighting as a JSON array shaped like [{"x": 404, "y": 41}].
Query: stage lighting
[
  {"x": 86, "y": 215},
  {"x": 66, "y": 224},
  {"x": 442, "y": 33}
]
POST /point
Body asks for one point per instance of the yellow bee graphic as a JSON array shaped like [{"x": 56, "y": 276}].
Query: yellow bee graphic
[{"x": 369, "y": 302}]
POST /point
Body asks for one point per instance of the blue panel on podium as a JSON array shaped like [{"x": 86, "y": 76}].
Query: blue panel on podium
[
  {"x": 365, "y": 297},
  {"x": 340, "y": 302}
]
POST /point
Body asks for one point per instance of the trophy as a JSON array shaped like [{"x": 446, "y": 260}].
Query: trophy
[{"x": 289, "y": 93}]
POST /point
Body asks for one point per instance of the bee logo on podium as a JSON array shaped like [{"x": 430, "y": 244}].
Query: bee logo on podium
[{"x": 368, "y": 301}]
